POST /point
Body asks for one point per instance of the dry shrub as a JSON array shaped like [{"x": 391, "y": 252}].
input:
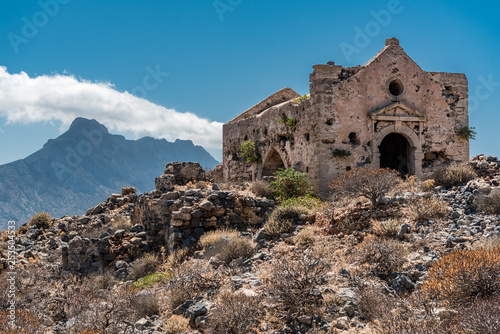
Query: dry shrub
[
  {"x": 454, "y": 175},
  {"x": 176, "y": 325},
  {"x": 25, "y": 323},
  {"x": 40, "y": 220},
  {"x": 386, "y": 256},
  {"x": 481, "y": 317},
  {"x": 489, "y": 243},
  {"x": 261, "y": 188},
  {"x": 282, "y": 220},
  {"x": 370, "y": 183},
  {"x": 388, "y": 228},
  {"x": 176, "y": 257},
  {"x": 143, "y": 266},
  {"x": 489, "y": 203},
  {"x": 372, "y": 302},
  {"x": 103, "y": 280},
  {"x": 212, "y": 237},
  {"x": 234, "y": 313},
  {"x": 227, "y": 250},
  {"x": 421, "y": 208},
  {"x": 291, "y": 282},
  {"x": 146, "y": 303},
  {"x": 461, "y": 276},
  {"x": 306, "y": 236},
  {"x": 192, "y": 279},
  {"x": 121, "y": 223}
]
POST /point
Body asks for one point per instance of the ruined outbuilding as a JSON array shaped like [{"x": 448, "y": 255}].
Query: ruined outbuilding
[{"x": 386, "y": 113}]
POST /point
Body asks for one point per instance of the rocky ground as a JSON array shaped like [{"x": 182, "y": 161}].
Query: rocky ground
[{"x": 343, "y": 267}]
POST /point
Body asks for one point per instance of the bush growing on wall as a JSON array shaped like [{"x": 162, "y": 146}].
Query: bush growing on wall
[
  {"x": 290, "y": 183},
  {"x": 248, "y": 152}
]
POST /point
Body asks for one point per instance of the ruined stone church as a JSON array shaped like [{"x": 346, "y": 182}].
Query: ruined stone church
[{"x": 386, "y": 113}]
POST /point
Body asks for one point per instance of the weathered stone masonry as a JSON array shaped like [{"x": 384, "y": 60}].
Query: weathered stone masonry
[{"x": 386, "y": 113}]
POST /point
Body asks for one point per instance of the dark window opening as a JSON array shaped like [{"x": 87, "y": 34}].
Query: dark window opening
[
  {"x": 306, "y": 136},
  {"x": 329, "y": 121},
  {"x": 395, "y": 153},
  {"x": 396, "y": 87},
  {"x": 353, "y": 138},
  {"x": 348, "y": 168}
]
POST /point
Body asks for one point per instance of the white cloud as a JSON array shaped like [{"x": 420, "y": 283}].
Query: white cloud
[{"x": 64, "y": 97}]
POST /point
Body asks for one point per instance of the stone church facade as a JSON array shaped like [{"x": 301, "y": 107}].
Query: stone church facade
[{"x": 386, "y": 113}]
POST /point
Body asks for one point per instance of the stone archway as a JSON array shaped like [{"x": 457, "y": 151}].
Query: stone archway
[
  {"x": 272, "y": 163},
  {"x": 410, "y": 149},
  {"x": 395, "y": 153}
]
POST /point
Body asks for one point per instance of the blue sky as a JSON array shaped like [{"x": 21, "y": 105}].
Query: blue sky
[{"x": 194, "y": 65}]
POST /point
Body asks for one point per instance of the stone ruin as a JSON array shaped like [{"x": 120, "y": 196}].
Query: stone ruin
[
  {"x": 172, "y": 216},
  {"x": 386, "y": 113}
]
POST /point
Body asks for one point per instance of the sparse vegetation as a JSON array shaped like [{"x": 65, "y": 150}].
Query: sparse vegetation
[
  {"x": 371, "y": 183},
  {"x": 248, "y": 152},
  {"x": 466, "y": 133},
  {"x": 211, "y": 238},
  {"x": 227, "y": 250},
  {"x": 384, "y": 256},
  {"x": 177, "y": 325},
  {"x": 146, "y": 303},
  {"x": 421, "y": 208},
  {"x": 308, "y": 201},
  {"x": 454, "y": 175},
  {"x": 121, "y": 223},
  {"x": 234, "y": 313},
  {"x": 489, "y": 203},
  {"x": 282, "y": 220},
  {"x": 388, "y": 228},
  {"x": 261, "y": 188},
  {"x": 150, "y": 280},
  {"x": 40, "y": 220},
  {"x": 462, "y": 276},
  {"x": 290, "y": 183},
  {"x": 144, "y": 266},
  {"x": 339, "y": 153}
]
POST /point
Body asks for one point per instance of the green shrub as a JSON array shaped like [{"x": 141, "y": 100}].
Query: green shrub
[
  {"x": 152, "y": 279},
  {"x": 290, "y": 183},
  {"x": 454, "y": 175},
  {"x": 40, "y": 220},
  {"x": 307, "y": 201},
  {"x": 338, "y": 153},
  {"x": 466, "y": 133},
  {"x": 248, "y": 152}
]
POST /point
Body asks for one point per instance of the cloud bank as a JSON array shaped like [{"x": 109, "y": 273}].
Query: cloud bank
[{"x": 64, "y": 97}]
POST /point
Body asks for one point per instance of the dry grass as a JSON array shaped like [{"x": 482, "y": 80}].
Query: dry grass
[
  {"x": 144, "y": 266},
  {"x": 40, "y": 220},
  {"x": 146, "y": 303},
  {"x": 212, "y": 237},
  {"x": 282, "y": 220},
  {"x": 489, "y": 203},
  {"x": 420, "y": 208},
  {"x": 483, "y": 317},
  {"x": 234, "y": 313},
  {"x": 261, "y": 188},
  {"x": 306, "y": 236},
  {"x": 175, "y": 258},
  {"x": 384, "y": 256},
  {"x": 462, "y": 276},
  {"x": 227, "y": 250},
  {"x": 488, "y": 243},
  {"x": 454, "y": 175},
  {"x": 121, "y": 223},
  {"x": 176, "y": 325},
  {"x": 388, "y": 228}
]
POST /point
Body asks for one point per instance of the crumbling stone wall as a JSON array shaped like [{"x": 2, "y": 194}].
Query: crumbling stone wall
[{"x": 355, "y": 110}]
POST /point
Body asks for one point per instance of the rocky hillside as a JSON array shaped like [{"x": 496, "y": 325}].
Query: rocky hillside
[
  {"x": 193, "y": 256},
  {"x": 82, "y": 167}
]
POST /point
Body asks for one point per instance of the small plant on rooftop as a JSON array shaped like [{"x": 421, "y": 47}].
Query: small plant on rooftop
[{"x": 301, "y": 98}]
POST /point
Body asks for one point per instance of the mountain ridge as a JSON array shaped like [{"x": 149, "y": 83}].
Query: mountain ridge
[{"x": 82, "y": 166}]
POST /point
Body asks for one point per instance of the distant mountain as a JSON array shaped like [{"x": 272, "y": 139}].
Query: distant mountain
[{"x": 83, "y": 166}]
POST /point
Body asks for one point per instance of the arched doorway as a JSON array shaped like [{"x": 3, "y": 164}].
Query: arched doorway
[
  {"x": 395, "y": 153},
  {"x": 272, "y": 164}
]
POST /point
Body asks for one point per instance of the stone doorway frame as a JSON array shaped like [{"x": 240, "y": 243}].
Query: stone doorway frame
[{"x": 267, "y": 155}]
